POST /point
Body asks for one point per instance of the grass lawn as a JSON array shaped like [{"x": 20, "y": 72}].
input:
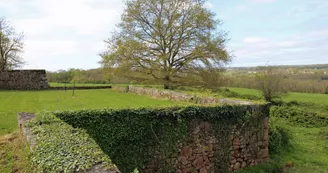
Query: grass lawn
[
  {"x": 54, "y": 84},
  {"x": 13, "y": 102}
]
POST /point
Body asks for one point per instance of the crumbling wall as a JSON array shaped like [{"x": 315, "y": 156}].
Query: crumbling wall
[{"x": 23, "y": 80}]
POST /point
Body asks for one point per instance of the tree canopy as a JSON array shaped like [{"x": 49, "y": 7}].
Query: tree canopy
[
  {"x": 168, "y": 41},
  {"x": 11, "y": 46}
]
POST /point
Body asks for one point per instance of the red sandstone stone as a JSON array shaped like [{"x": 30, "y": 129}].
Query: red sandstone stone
[
  {"x": 265, "y": 153},
  {"x": 266, "y": 143},
  {"x": 198, "y": 162},
  {"x": 266, "y": 135},
  {"x": 266, "y": 123},
  {"x": 237, "y": 166},
  {"x": 243, "y": 165},
  {"x": 183, "y": 160},
  {"x": 206, "y": 161},
  {"x": 203, "y": 170},
  {"x": 186, "y": 151},
  {"x": 236, "y": 141},
  {"x": 191, "y": 158}
]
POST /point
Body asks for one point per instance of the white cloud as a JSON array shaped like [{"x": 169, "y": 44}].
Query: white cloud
[
  {"x": 287, "y": 43},
  {"x": 303, "y": 48},
  {"x": 254, "y": 40},
  {"x": 77, "y": 15},
  {"x": 63, "y": 29},
  {"x": 263, "y": 1},
  {"x": 42, "y": 48},
  {"x": 241, "y": 7}
]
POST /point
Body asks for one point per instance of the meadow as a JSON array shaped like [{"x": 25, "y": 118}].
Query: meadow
[{"x": 321, "y": 99}]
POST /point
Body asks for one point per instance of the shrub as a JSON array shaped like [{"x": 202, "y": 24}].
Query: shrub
[
  {"x": 300, "y": 116},
  {"x": 269, "y": 83},
  {"x": 231, "y": 94},
  {"x": 279, "y": 137}
]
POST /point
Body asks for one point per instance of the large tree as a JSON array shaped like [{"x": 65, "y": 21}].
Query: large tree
[
  {"x": 167, "y": 41},
  {"x": 11, "y": 46}
]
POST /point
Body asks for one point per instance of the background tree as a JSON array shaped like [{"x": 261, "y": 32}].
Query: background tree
[
  {"x": 165, "y": 41},
  {"x": 269, "y": 80},
  {"x": 11, "y": 46}
]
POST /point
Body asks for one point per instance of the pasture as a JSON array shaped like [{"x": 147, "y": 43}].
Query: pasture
[{"x": 321, "y": 99}]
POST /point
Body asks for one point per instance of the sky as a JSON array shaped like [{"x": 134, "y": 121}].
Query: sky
[{"x": 63, "y": 34}]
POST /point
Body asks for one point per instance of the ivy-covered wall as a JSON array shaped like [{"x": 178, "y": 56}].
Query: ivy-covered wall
[
  {"x": 23, "y": 80},
  {"x": 179, "y": 139}
]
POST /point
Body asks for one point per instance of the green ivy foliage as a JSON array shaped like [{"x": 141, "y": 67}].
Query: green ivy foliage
[
  {"x": 300, "y": 116},
  {"x": 130, "y": 137},
  {"x": 62, "y": 148}
]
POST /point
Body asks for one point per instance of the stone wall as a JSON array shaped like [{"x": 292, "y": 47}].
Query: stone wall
[
  {"x": 247, "y": 147},
  {"x": 178, "y": 96},
  {"x": 23, "y": 80}
]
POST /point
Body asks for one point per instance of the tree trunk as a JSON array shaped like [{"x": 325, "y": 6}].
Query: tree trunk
[{"x": 167, "y": 82}]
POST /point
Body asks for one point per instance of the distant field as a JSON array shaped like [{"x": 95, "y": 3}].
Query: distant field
[
  {"x": 302, "y": 97},
  {"x": 54, "y": 84},
  {"x": 13, "y": 102}
]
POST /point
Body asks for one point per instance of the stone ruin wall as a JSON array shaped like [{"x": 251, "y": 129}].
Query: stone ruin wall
[
  {"x": 23, "y": 80},
  {"x": 248, "y": 147},
  {"x": 177, "y": 96}
]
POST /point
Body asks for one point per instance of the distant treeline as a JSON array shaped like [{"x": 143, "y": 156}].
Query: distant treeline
[
  {"x": 295, "y": 80},
  {"x": 96, "y": 76},
  {"x": 290, "y": 67},
  {"x": 290, "y": 83}
]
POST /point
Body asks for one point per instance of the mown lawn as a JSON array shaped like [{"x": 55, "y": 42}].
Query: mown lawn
[
  {"x": 54, "y": 84},
  {"x": 13, "y": 102}
]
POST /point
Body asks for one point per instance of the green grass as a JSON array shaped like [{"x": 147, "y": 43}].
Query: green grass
[
  {"x": 310, "y": 145},
  {"x": 13, "y": 102},
  {"x": 54, "y": 84},
  {"x": 310, "y": 153},
  {"x": 321, "y": 99}
]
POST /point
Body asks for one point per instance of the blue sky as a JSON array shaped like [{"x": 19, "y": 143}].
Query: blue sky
[{"x": 62, "y": 34}]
